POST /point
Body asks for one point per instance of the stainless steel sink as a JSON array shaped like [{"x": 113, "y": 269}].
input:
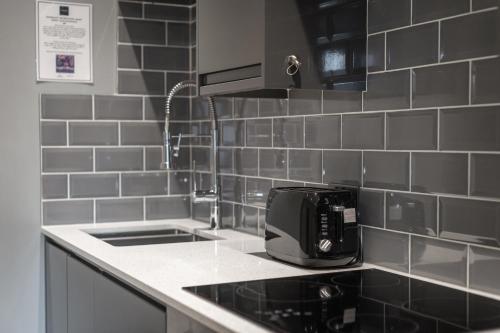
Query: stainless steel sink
[{"x": 148, "y": 237}]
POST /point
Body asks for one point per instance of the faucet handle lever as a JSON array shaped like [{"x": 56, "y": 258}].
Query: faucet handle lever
[
  {"x": 177, "y": 148},
  {"x": 194, "y": 176}
]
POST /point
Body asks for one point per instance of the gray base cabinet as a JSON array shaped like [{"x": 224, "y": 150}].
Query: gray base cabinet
[{"x": 83, "y": 299}]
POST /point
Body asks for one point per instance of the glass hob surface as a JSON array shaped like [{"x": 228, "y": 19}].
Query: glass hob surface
[{"x": 357, "y": 301}]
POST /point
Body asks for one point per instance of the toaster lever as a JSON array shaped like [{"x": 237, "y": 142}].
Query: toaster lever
[{"x": 338, "y": 213}]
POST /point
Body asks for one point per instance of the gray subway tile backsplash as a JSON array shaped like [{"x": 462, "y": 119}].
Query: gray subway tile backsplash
[
  {"x": 273, "y": 163},
  {"x": 54, "y": 186},
  {"x": 246, "y": 108},
  {"x": 484, "y": 269},
  {"x": 472, "y": 221},
  {"x": 168, "y": 208},
  {"x": 469, "y": 36},
  {"x": 440, "y": 85},
  {"x": 257, "y": 190},
  {"x": 413, "y": 46},
  {"x": 304, "y": 102},
  {"x": 363, "y": 131},
  {"x": 259, "y": 133},
  {"x": 482, "y": 4},
  {"x": 476, "y": 129},
  {"x": 416, "y": 130},
  {"x": 388, "y": 14},
  {"x": 232, "y": 133},
  {"x": 246, "y": 161},
  {"x": 484, "y": 180},
  {"x": 68, "y": 212},
  {"x": 414, "y": 213},
  {"x": 127, "y": 9},
  {"x": 93, "y": 185},
  {"x": 93, "y": 134},
  {"x": 376, "y": 53},
  {"x": 246, "y": 219},
  {"x": 118, "y": 210},
  {"x": 53, "y": 133},
  {"x": 386, "y": 248},
  {"x": 141, "y": 133},
  {"x": 66, "y": 106},
  {"x": 322, "y": 132},
  {"x": 180, "y": 182},
  {"x": 141, "y": 83},
  {"x": 178, "y": 34},
  {"x": 342, "y": 167},
  {"x": 118, "y": 107},
  {"x": 67, "y": 159},
  {"x": 166, "y": 58},
  {"x": 427, "y": 10},
  {"x": 305, "y": 165},
  {"x": 439, "y": 173},
  {"x": 129, "y": 56},
  {"x": 162, "y": 12},
  {"x": 288, "y": 132},
  {"x": 118, "y": 159},
  {"x": 338, "y": 101},
  {"x": 141, "y": 31},
  {"x": 485, "y": 81},
  {"x": 389, "y": 170},
  {"x": 387, "y": 91},
  {"x": 440, "y": 260},
  {"x": 273, "y": 107},
  {"x": 140, "y": 184},
  {"x": 372, "y": 208}
]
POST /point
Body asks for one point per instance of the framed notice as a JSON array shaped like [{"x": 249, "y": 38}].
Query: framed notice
[{"x": 64, "y": 41}]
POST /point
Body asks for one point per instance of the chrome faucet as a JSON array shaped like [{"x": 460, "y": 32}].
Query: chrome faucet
[{"x": 171, "y": 150}]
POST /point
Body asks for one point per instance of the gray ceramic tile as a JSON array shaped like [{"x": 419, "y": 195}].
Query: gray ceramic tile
[
  {"x": 166, "y": 58},
  {"x": 262, "y": 223},
  {"x": 376, "y": 53},
  {"x": 168, "y": 208},
  {"x": 272, "y": 163},
  {"x": 118, "y": 159},
  {"x": 227, "y": 215},
  {"x": 226, "y": 160},
  {"x": 141, "y": 31},
  {"x": 246, "y": 161},
  {"x": 386, "y": 248},
  {"x": 180, "y": 182},
  {"x": 153, "y": 159},
  {"x": 439, "y": 173},
  {"x": 288, "y": 132},
  {"x": 363, "y": 131},
  {"x": 286, "y": 183},
  {"x": 371, "y": 208},
  {"x": 470, "y": 129},
  {"x": 305, "y": 165},
  {"x": 127, "y": 9},
  {"x": 322, "y": 132},
  {"x": 201, "y": 158},
  {"x": 485, "y": 175},
  {"x": 137, "y": 184},
  {"x": 482, "y": 4},
  {"x": 178, "y": 34},
  {"x": 118, "y": 107},
  {"x": 415, "y": 130},
  {"x": 457, "y": 217},
  {"x": 141, "y": 134},
  {"x": 388, "y": 14},
  {"x": 141, "y": 83},
  {"x": 93, "y": 185},
  {"x": 440, "y": 260},
  {"x": 427, "y": 10},
  {"x": 257, "y": 190},
  {"x": 154, "y": 108},
  {"x": 413, "y": 213},
  {"x": 270, "y": 107},
  {"x": 67, "y": 159},
  {"x": 246, "y": 108},
  {"x": 304, "y": 101},
  {"x": 259, "y": 133},
  {"x": 469, "y": 36},
  {"x": 342, "y": 101},
  {"x": 441, "y": 85},
  {"x": 413, "y": 46},
  {"x": 117, "y": 210},
  {"x": 233, "y": 188},
  {"x": 68, "y": 212},
  {"x": 129, "y": 56},
  {"x": 54, "y": 186},
  {"x": 388, "y": 91},
  {"x": 93, "y": 134},
  {"x": 485, "y": 81},
  {"x": 484, "y": 269},
  {"x": 232, "y": 132},
  {"x": 53, "y": 133},
  {"x": 246, "y": 219},
  {"x": 201, "y": 212},
  {"x": 386, "y": 170},
  {"x": 66, "y": 106},
  {"x": 163, "y": 12},
  {"x": 342, "y": 167},
  {"x": 223, "y": 108}
]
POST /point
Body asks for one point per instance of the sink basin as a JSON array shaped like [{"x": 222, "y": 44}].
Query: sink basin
[{"x": 148, "y": 237}]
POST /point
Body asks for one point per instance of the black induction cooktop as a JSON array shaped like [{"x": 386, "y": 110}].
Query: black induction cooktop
[{"x": 368, "y": 300}]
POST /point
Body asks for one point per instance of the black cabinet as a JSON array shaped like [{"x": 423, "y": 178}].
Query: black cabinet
[
  {"x": 81, "y": 299},
  {"x": 262, "y": 47}
]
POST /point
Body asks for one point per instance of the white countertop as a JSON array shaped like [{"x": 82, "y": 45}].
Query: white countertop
[{"x": 161, "y": 271}]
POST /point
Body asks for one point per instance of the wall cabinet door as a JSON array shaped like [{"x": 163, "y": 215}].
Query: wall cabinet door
[
  {"x": 118, "y": 310},
  {"x": 56, "y": 302}
]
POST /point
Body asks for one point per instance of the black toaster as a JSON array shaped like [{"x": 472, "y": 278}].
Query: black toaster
[{"x": 314, "y": 227}]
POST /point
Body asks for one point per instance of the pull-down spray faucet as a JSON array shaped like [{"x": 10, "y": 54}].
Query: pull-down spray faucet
[{"x": 171, "y": 150}]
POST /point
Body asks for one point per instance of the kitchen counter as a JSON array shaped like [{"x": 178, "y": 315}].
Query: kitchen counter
[{"x": 161, "y": 271}]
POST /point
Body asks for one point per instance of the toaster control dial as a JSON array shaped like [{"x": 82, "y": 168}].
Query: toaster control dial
[{"x": 325, "y": 245}]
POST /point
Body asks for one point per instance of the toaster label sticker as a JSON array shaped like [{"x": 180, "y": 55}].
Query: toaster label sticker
[{"x": 350, "y": 215}]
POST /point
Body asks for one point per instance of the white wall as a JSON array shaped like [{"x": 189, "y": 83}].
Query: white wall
[{"x": 21, "y": 256}]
